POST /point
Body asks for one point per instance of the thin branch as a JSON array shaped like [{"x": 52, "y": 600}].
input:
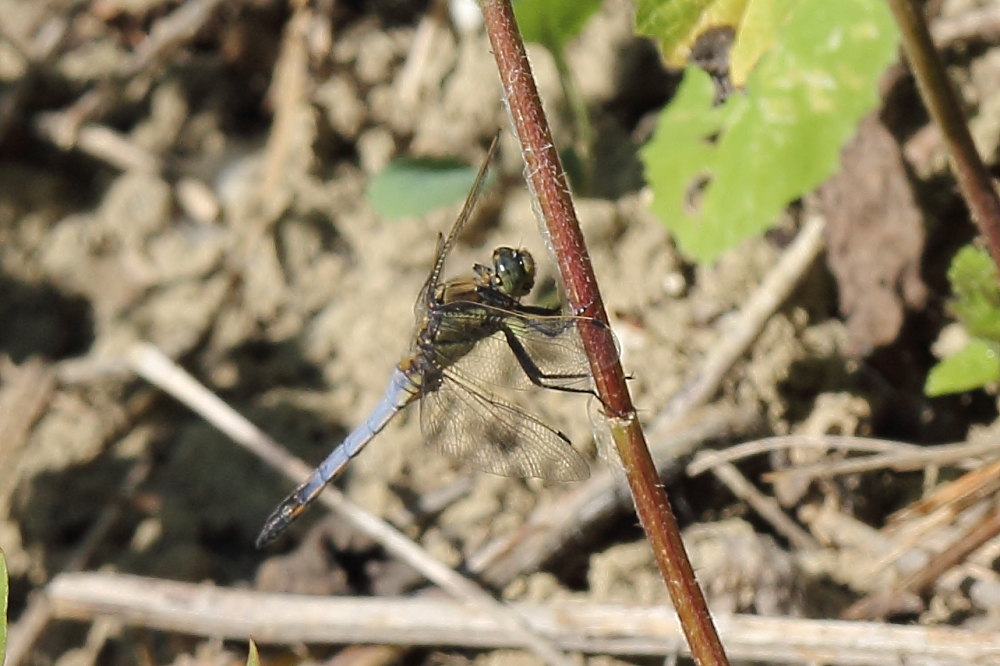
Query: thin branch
[
  {"x": 28, "y": 391},
  {"x": 939, "y": 96},
  {"x": 586, "y": 507},
  {"x": 204, "y": 610},
  {"x": 98, "y": 141},
  {"x": 550, "y": 190},
  {"x": 159, "y": 370},
  {"x": 708, "y": 459},
  {"x": 736, "y": 339},
  {"x": 898, "y": 456},
  {"x": 884, "y": 602},
  {"x": 169, "y": 33},
  {"x": 767, "y": 507}
]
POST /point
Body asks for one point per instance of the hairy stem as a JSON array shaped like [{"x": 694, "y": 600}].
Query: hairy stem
[{"x": 547, "y": 182}]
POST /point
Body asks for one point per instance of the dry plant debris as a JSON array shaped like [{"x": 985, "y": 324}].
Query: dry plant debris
[{"x": 191, "y": 175}]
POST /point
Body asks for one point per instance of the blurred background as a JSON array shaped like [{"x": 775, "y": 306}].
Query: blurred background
[{"x": 198, "y": 175}]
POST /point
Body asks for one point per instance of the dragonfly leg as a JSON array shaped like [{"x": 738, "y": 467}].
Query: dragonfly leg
[{"x": 535, "y": 374}]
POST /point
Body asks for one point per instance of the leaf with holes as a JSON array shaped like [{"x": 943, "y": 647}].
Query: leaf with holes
[
  {"x": 720, "y": 174},
  {"x": 677, "y": 24},
  {"x": 758, "y": 30}
]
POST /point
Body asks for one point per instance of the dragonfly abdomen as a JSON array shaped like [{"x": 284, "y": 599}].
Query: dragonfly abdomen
[{"x": 404, "y": 387}]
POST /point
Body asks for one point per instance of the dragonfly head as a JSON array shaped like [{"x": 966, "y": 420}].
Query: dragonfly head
[{"x": 513, "y": 271}]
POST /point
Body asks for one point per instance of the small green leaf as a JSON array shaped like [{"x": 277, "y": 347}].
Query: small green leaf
[
  {"x": 677, "y": 24},
  {"x": 3, "y": 607},
  {"x": 253, "y": 657},
  {"x": 976, "y": 286},
  {"x": 974, "y": 366},
  {"x": 722, "y": 174},
  {"x": 410, "y": 187},
  {"x": 552, "y": 23}
]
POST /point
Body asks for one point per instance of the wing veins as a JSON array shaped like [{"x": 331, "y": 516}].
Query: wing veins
[{"x": 536, "y": 449}]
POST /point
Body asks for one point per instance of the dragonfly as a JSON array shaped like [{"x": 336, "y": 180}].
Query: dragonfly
[{"x": 473, "y": 336}]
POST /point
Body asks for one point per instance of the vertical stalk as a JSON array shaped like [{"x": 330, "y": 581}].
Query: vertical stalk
[
  {"x": 548, "y": 185},
  {"x": 939, "y": 96}
]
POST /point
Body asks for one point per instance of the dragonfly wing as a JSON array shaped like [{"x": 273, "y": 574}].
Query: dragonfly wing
[
  {"x": 527, "y": 350},
  {"x": 494, "y": 435},
  {"x": 554, "y": 346}
]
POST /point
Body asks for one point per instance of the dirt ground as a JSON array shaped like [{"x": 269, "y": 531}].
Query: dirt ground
[{"x": 197, "y": 183}]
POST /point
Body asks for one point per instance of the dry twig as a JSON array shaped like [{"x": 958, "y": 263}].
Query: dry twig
[
  {"x": 595, "y": 628},
  {"x": 745, "y": 328},
  {"x": 885, "y": 602},
  {"x": 38, "y": 614},
  {"x": 583, "y": 508},
  {"x": 159, "y": 370}
]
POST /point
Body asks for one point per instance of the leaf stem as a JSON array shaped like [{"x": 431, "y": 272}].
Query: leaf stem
[
  {"x": 939, "y": 96},
  {"x": 547, "y": 182}
]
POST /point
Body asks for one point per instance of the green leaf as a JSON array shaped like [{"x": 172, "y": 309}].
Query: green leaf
[
  {"x": 677, "y": 24},
  {"x": 253, "y": 656},
  {"x": 409, "y": 187},
  {"x": 722, "y": 174},
  {"x": 552, "y": 23},
  {"x": 757, "y": 33},
  {"x": 3, "y": 606},
  {"x": 974, "y": 366},
  {"x": 976, "y": 286}
]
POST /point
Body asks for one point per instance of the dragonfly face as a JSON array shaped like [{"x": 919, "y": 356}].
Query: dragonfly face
[
  {"x": 474, "y": 336},
  {"x": 464, "y": 311},
  {"x": 513, "y": 271}
]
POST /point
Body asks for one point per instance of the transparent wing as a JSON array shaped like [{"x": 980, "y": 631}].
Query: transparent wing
[
  {"x": 495, "y": 436},
  {"x": 524, "y": 350}
]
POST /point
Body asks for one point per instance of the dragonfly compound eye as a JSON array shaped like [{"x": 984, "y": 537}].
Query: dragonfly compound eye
[{"x": 514, "y": 271}]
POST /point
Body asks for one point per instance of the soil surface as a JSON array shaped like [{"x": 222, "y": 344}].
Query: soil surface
[{"x": 198, "y": 183}]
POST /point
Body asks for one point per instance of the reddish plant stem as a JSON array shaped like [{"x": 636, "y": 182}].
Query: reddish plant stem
[
  {"x": 547, "y": 181},
  {"x": 939, "y": 96}
]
